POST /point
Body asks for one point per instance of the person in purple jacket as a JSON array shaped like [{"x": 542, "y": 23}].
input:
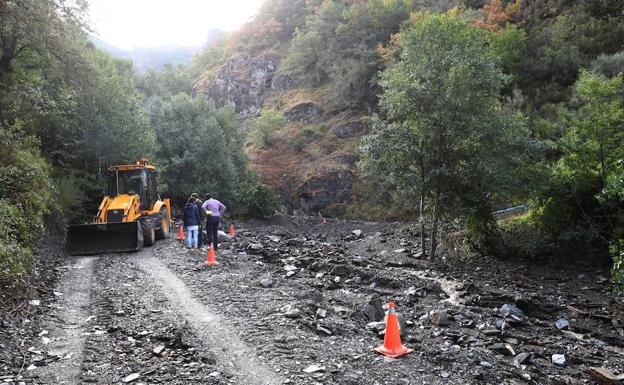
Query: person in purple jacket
[{"x": 214, "y": 209}]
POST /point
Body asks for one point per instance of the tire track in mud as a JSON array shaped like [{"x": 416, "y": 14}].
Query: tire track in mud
[
  {"x": 65, "y": 326},
  {"x": 232, "y": 353},
  {"x": 131, "y": 318}
]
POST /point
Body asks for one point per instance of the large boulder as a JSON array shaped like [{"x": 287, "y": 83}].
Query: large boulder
[
  {"x": 306, "y": 113},
  {"x": 348, "y": 130}
]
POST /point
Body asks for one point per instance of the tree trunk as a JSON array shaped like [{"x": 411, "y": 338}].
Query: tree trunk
[
  {"x": 423, "y": 232},
  {"x": 434, "y": 223}
]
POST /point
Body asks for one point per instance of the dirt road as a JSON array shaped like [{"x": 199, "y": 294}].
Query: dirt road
[{"x": 296, "y": 301}]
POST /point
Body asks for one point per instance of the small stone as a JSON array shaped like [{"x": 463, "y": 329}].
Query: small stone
[
  {"x": 357, "y": 233},
  {"x": 290, "y": 273},
  {"x": 485, "y": 364},
  {"x": 337, "y": 279},
  {"x": 444, "y": 374},
  {"x": 323, "y": 330},
  {"x": 562, "y": 324},
  {"x": 491, "y": 332},
  {"x": 558, "y": 359},
  {"x": 512, "y": 311},
  {"x": 374, "y": 309},
  {"x": 357, "y": 280},
  {"x": 34, "y": 302},
  {"x": 505, "y": 349},
  {"x": 522, "y": 358},
  {"x": 38, "y": 359},
  {"x": 274, "y": 238},
  {"x": 290, "y": 268},
  {"x": 131, "y": 377},
  {"x": 291, "y": 312},
  {"x": 158, "y": 349},
  {"x": 439, "y": 318},
  {"x": 314, "y": 369},
  {"x": 321, "y": 313},
  {"x": 255, "y": 246},
  {"x": 605, "y": 376},
  {"x": 266, "y": 283}
]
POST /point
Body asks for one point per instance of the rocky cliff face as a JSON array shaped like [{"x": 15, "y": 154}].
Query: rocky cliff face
[
  {"x": 319, "y": 182},
  {"x": 242, "y": 80}
]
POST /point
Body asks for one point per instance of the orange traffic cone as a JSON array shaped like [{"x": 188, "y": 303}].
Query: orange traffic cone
[
  {"x": 210, "y": 258},
  {"x": 232, "y": 231},
  {"x": 181, "y": 234},
  {"x": 392, "y": 346}
]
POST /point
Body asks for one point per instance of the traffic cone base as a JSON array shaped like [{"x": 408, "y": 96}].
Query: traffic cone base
[
  {"x": 210, "y": 258},
  {"x": 392, "y": 346},
  {"x": 181, "y": 234},
  {"x": 393, "y": 353}
]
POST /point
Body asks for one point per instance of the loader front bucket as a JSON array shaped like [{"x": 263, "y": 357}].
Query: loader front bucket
[{"x": 104, "y": 238}]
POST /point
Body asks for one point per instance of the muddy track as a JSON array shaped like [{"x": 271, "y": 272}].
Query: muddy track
[
  {"x": 214, "y": 330},
  {"x": 127, "y": 315},
  {"x": 286, "y": 306},
  {"x": 63, "y": 338}
]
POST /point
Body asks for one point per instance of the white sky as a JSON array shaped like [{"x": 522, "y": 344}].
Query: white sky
[{"x": 153, "y": 23}]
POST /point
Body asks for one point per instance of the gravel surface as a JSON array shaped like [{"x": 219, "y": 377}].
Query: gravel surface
[{"x": 298, "y": 301}]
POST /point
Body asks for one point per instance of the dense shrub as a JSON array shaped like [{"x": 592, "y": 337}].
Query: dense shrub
[
  {"x": 26, "y": 197},
  {"x": 257, "y": 200}
]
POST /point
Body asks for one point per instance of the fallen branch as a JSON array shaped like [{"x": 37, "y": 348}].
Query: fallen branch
[{"x": 589, "y": 314}]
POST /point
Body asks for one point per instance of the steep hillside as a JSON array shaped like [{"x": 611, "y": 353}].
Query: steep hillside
[
  {"x": 312, "y": 160},
  {"x": 317, "y": 63}
]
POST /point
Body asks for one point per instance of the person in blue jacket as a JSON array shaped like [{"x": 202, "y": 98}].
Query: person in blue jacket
[{"x": 192, "y": 220}]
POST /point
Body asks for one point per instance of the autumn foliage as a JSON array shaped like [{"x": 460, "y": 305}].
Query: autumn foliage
[{"x": 495, "y": 16}]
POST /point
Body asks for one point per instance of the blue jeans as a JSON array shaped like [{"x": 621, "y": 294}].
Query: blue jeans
[
  {"x": 212, "y": 229},
  {"x": 191, "y": 236}
]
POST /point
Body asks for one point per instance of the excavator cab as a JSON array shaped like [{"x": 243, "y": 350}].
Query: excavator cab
[{"x": 130, "y": 216}]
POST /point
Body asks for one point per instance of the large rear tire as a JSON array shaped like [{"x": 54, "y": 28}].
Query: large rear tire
[
  {"x": 165, "y": 224},
  {"x": 149, "y": 237}
]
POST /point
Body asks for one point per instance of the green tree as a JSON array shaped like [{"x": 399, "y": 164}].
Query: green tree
[
  {"x": 193, "y": 149},
  {"x": 593, "y": 142},
  {"x": 446, "y": 135}
]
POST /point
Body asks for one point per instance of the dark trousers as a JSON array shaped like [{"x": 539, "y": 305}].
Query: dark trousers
[
  {"x": 212, "y": 228},
  {"x": 200, "y": 236}
]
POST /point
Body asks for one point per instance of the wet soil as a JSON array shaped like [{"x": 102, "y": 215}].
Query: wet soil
[{"x": 287, "y": 303}]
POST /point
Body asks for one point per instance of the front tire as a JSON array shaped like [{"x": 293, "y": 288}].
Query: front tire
[
  {"x": 149, "y": 237},
  {"x": 165, "y": 224}
]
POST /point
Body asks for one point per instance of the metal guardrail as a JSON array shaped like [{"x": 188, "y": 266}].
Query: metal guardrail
[{"x": 511, "y": 211}]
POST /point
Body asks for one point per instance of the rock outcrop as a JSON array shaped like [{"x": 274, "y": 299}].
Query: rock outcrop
[
  {"x": 306, "y": 113},
  {"x": 244, "y": 81},
  {"x": 325, "y": 191},
  {"x": 348, "y": 130}
]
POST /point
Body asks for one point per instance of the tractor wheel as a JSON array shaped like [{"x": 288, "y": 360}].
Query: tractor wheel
[
  {"x": 165, "y": 224},
  {"x": 149, "y": 237}
]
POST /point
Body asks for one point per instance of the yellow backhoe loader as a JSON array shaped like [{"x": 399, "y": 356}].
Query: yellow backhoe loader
[{"x": 131, "y": 214}]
